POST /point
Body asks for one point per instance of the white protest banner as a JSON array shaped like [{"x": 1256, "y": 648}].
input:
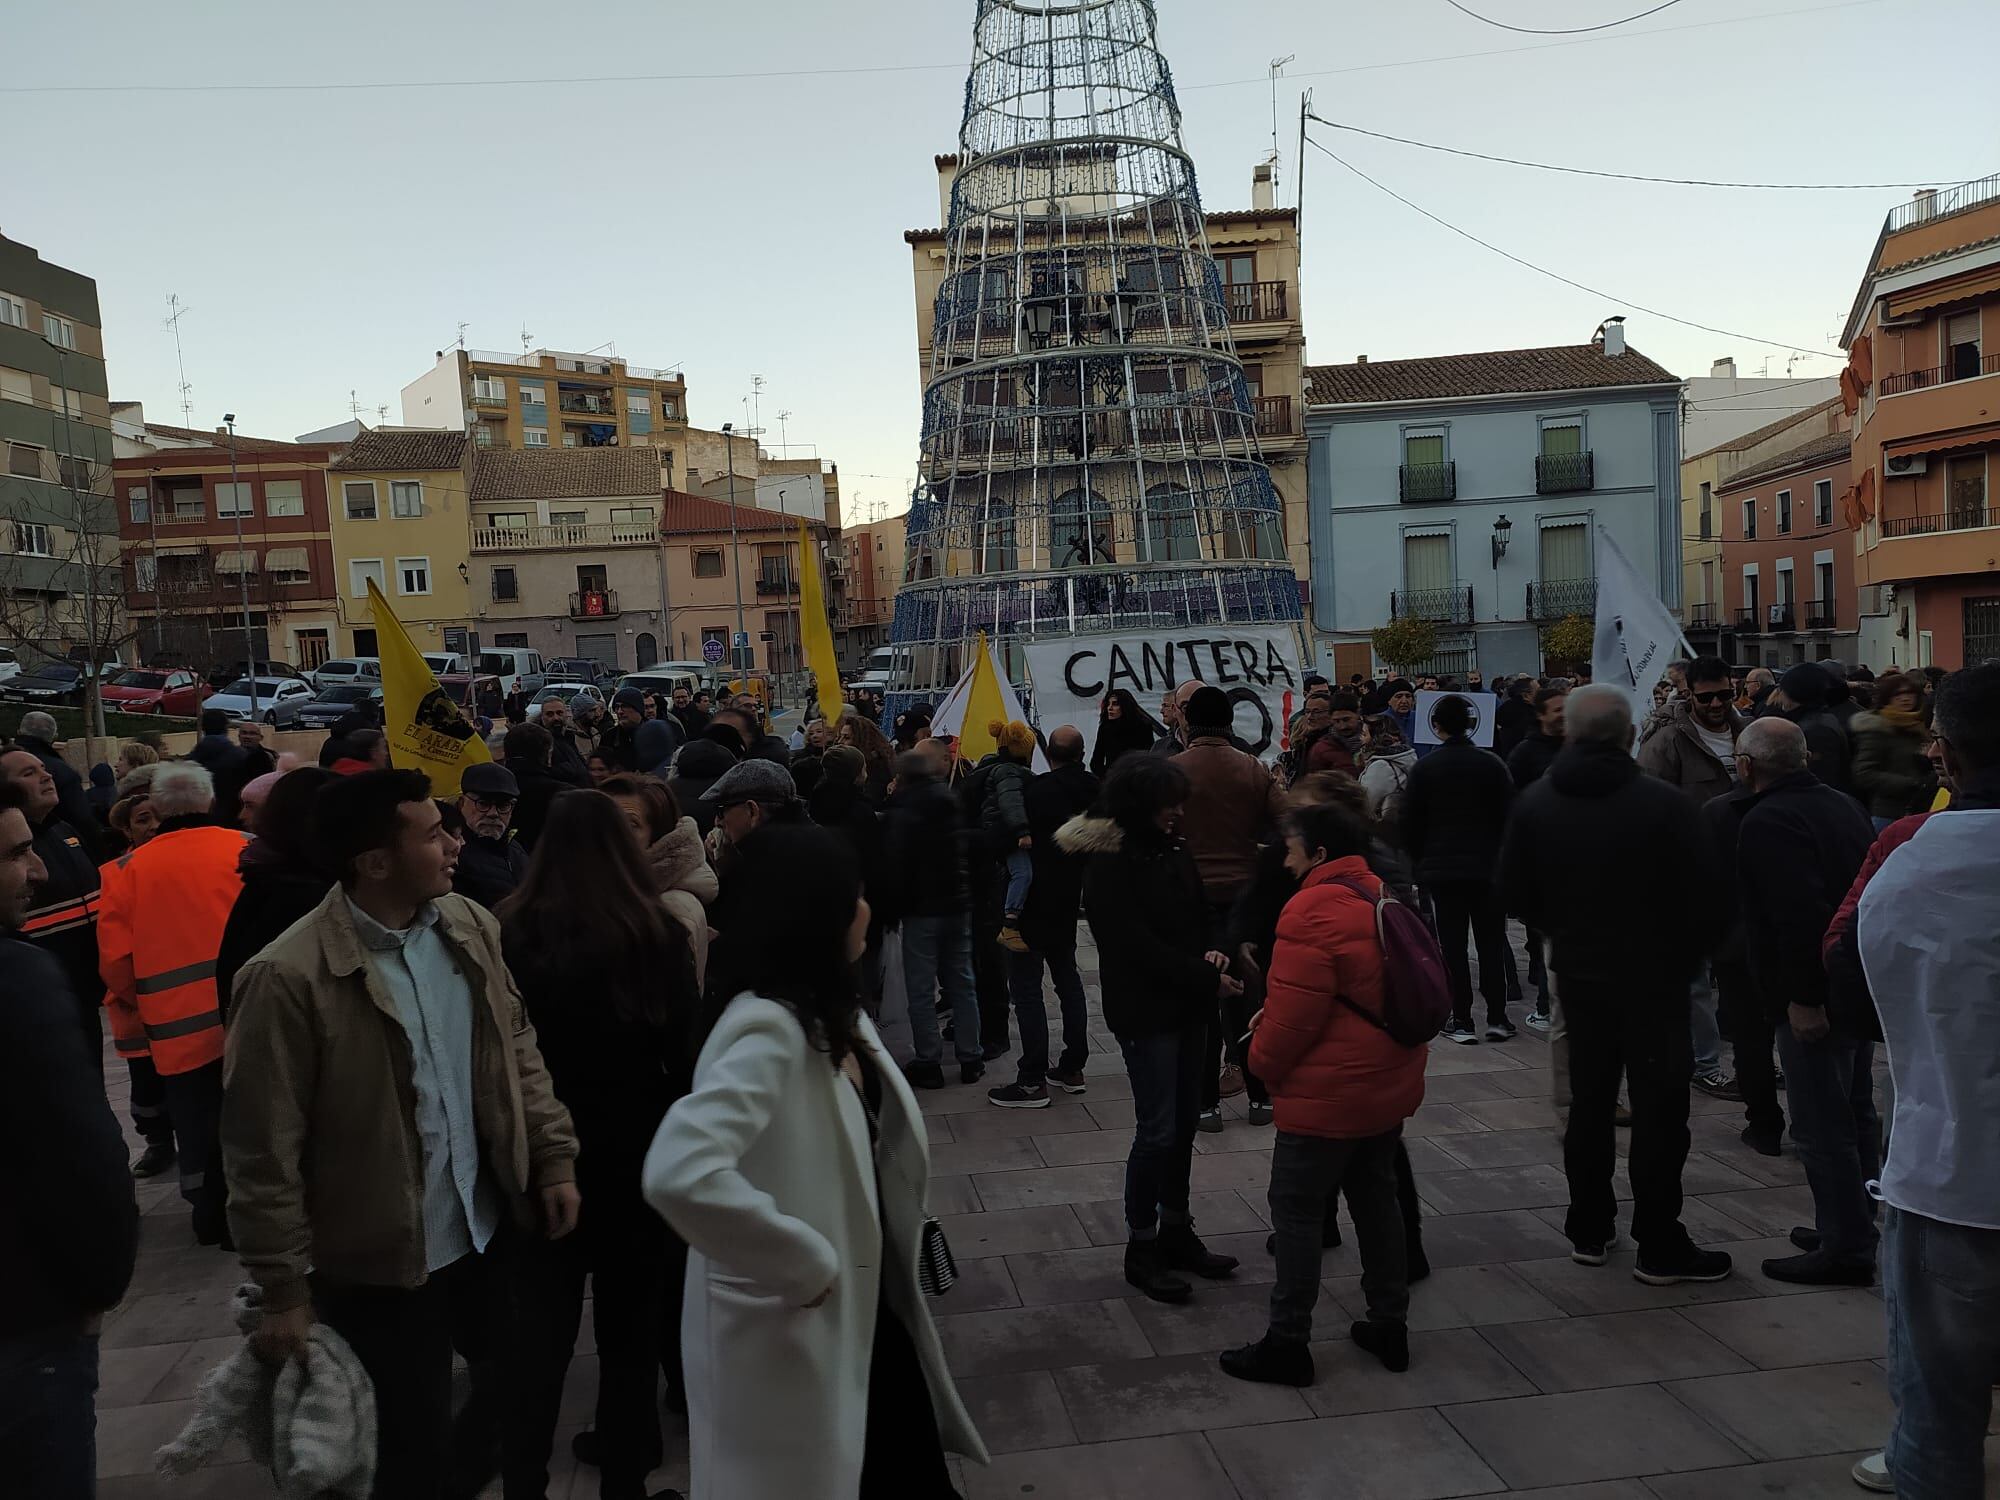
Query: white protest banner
[
  {"x": 1257, "y": 666},
  {"x": 1481, "y": 704},
  {"x": 1636, "y": 634}
]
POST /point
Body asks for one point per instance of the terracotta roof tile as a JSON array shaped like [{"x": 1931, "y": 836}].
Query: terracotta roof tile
[
  {"x": 564, "y": 473},
  {"x": 681, "y": 514},
  {"x": 216, "y": 439},
  {"x": 1817, "y": 454},
  {"x": 375, "y": 451},
  {"x": 1570, "y": 367}
]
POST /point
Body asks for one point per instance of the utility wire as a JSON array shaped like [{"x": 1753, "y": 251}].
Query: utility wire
[
  {"x": 1558, "y": 276},
  {"x": 1560, "y": 30},
  {"x": 1543, "y": 166}
]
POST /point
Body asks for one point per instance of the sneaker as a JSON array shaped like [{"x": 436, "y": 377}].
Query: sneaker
[
  {"x": 1146, "y": 1270},
  {"x": 1539, "y": 1020},
  {"x": 1872, "y": 1473},
  {"x": 1718, "y": 1086},
  {"x": 1260, "y": 1114},
  {"x": 1388, "y": 1342},
  {"x": 1069, "y": 1080},
  {"x": 971, "y": 1072},
  {"x": 1817, "y": 1268},
  {"x": 1181, "y": 1249},
  {"x": 154, "y": 1160},
  {"x": 1764, "y": 1139},
  {"x": 1011, "y": 939},
  {"x": 1271, "y": 1361},
  {"x": 1019, "y": 1096},
  {"x": 1690, "y": 1264},
  {"x": 1592, "y": 1252},
  {"x": 1229, "y": 1082},
  {"x": 1460, "y": 1032},
  {"x": 1210, "y": 1122},
  {"x": 924, "y": 1075},
  {"x": 1501, "y": 1030}
]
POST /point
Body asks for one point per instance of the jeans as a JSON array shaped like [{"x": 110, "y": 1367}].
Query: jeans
[
  {"x": 1703, "y": 1029},
  {"x": 1305, "y": 1171},
  {"x": 1942, "y": 1286},
  {"x": 1831, "y": 1086},
  {"x": 1473, "y": 904},
  {"x": 937, "y": 951},
  {"x": 1642, "y": 1032},
  {"x": 1020, "y": 875},
  {"x": 194, "y": 1103},
  {"x": 48, "y": 1414},
  {"x": 989, "y": 970},
  {"x": 1166, "y": 1100},
  {"x": 1749, "y": 1031},
  {"x": 1024, "y": 979}
]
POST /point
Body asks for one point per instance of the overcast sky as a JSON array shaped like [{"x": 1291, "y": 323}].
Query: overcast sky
[{"x": 329, "y": 240}]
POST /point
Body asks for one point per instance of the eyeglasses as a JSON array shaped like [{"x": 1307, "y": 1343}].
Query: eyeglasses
[
  {"x": 1716, "y": 695},
  {"x": 492, "y": 804}
]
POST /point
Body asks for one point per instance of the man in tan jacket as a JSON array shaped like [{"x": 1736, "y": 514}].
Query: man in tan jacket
[{"x": 387, "y": 1125}]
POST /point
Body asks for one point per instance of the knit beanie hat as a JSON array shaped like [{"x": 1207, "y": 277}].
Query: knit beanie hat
[
  {"x": 1806, "y": 685},
  {"x": 1017, "y": 739},
  {"x": 1208, "y": 711}
]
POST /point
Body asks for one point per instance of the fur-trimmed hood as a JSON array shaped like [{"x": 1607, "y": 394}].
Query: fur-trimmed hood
[
  {"x": 1088, "y": 833},
  {"x": 681, "y": 864}
]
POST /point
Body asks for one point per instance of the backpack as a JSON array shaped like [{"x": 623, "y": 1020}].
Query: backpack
[{"x": 1416, "y": 992}]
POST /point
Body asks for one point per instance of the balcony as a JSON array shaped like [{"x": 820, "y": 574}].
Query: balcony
[
  {"x": 1416, "y": 482},
  {"x": 586, "y": 404},
  {"x": 1257, "y": 302},
  {"x": 1820, "y": 614},
  {"x": 1702, "y": 617},
  {"x": 1765, "y": 619},
  {"x": 1559, "y": 598},
  {"x": 1958, "y": 518},
  {"x": 564, "y": 538},
  {"x": 1274, "y": 416},
  {"x": 1922, "y": 380},
  {"x": 776, "y": 588},
  {"x": 1452, "y": 606},
  {"x": 489, "y": 398},
  {"x": 594, "y": 604},
  {"x": 1564, "y": 473}
]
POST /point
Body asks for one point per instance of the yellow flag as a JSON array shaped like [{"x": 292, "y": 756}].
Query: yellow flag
[
  {"x": 815, "y": 632},
  {"x": 984, "y": 703},
  {"x": 427, "y": 731}
]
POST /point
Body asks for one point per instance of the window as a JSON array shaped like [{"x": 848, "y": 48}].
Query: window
[
  {"x": 233, "y": 565},
  {"x": 533, "y": 395},
  {"x": 1965, "y": 492},
  {"x": 1561, "y": 438},
  {"x": 1237, "y": 270},
  {"x": 140, "y": 499},
  {"x": 534, "y": 437},
  {"x": 1427, "y": 564},
  {"x": 233, "y": 500},
  {"x": 1823, "y": 589},
  {"x": 145, "y": 572},
  {"x": 1784, "y": 512},
  {"x": 31, "y": 539},
  {"x": 1253, "y": 376},
  {"x": 17, "y": 385},
  {"x": 1749, "y": 520},
  {"x": 360, "y": 497},
  {"x": 505, "y": 585},
  {"x": 13, "y": 311},
  {"x": 413, "y": 575},
  {"x": 482, "y": 434},
  {"x": 568, "y": 517},
  {"x": 639, "y": 403},
  {"x": 1822, "y": 502},
  {"x": 360, "y": 573},
  {"x": 406, "y": 499},
  {"x": 1750, "y": 595},
  {"x": 708, "y": 565},
  {"x": 364, "y": 643},
  {"x": 1423, "y": 448},
  {"x": 75, "y": 471},
  {"x": 284, "y": 497},
  {"x": 570, "y": 438},
  {"x": 631, "y": 515},
  {"x": 511, "y": 641},
  {"x": 1961, "y": 345},
  {"x": 716, "y": 634},
  {"x": 68, "y": 403},
  {"x": 488, "y": 388},
  {"x": 508, "y": 520},
  {"x": 288, "y": 565},
  {"x": 1566, "y": 553},
  {"x": 24, "y": 461},
  {"x": 668, "y": 407},
  {"x": 59, "y": 331},
  {"x": 185, "y": 502},
  {"x": 1707, "y": 510}
]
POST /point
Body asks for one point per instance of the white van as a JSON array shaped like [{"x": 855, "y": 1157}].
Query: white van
[
  {"x": 442, "y": 663},
  {"x": 883, "y": 666},
  {"x": 515, "y": 666}
]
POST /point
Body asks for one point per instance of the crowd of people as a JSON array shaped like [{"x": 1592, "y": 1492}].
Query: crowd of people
[{"x": 607, "y": 1017}]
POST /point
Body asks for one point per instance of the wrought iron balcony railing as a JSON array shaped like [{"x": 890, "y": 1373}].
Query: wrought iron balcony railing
[
  {"x": 1558, "y": 598},
  {"x": 1452, "y": 606},
  {"x": 1564, "y": 473},
  {"x": 1427, "y": 481},
  {"x": 593, "y": 604}
]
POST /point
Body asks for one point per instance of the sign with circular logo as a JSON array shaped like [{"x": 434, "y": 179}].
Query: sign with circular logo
[{"x": 712, "y": 652}]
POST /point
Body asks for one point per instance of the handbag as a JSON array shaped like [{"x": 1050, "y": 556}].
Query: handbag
[{"x": 937, "y": 1272}]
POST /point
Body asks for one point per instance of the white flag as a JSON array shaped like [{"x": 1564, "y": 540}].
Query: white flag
[
  {"x": 948, "y": 718},
  {"x": 1636, "y": 634}
]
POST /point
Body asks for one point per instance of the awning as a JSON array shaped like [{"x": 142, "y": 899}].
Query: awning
[
  {"x": 1864, "y": 494},
  {"x": 1959, "y": 440},
  {"x": 235, "y": 562},
  {"x": 1850, "y": 391},
  {"x": 1861, "y": 360},
  {"x": 1965, "y": 288},
  {"x": 1426, "y": 531},
  {"x": 286, "y": 560}
]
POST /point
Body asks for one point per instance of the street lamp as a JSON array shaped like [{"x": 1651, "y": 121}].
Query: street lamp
[
  {"x": 1500, "y": 529},
  {"x": 735, "y": 564},
  {"x": 243, "y": 570}
]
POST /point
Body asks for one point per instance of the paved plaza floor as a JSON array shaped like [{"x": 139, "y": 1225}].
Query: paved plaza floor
[{"x": 1529, "y": 1375}]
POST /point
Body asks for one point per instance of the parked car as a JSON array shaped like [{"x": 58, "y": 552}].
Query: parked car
[
  {"x": 235, "y": 671},
  {"x": 280, "y": 700},
  {"x": 155, "y": 690},
  {"x": 10, "y": 664},
  {"x": 569, "y": 692},
  {"x": 338, "y": 701},
  {"x": 53, "y": 682},
  {"x": 573, "y": 669},
  {"x": 345, "y": 669},
  {"x": 668, "y": 675}
]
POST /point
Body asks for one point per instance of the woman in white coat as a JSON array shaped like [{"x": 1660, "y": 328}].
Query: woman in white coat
[{"x": 797, "y": 1170}]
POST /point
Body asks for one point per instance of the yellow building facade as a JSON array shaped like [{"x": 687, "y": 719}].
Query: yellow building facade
[{"x": 400, "y": 514}]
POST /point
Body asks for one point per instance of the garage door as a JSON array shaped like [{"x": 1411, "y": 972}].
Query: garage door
[{"x": 599, "y": 648}]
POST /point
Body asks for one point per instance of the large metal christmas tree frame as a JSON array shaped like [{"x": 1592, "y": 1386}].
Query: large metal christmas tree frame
[{"x": 1089, "y": 459}]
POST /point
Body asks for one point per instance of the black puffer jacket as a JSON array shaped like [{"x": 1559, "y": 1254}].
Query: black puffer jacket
[
  {"x": 489, "y": 870},
  {"x": 1801, "y": 845},
  {"x": 1826, "y": 743},
  {"x": 1529, "y": 761},
  {"x": 1048, "y": 921},
  {"x": 923, "y": 839},
  {"x": 1144, "y": 899},
  {"x": 1605, "y": 859},
  {"x": 1454, "y": 813},
  {"x": 276, "y": 894}
]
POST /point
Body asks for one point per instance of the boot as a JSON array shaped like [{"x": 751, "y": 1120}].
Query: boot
[
  {"x": 1272, "y": 1361},
  {"x": 1146, "y": 1270},
  {"x": 154, "y": 1160},
  {"x": 1181, "y": 1249},
  {"x": 1388, "y": 1342}
]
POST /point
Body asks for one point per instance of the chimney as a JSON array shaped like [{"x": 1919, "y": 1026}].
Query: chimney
[
  {"x": 1926, "y": 201},
  {"x": 1361, "y": 359},
  {"x": 1263, "y": 189},
  {"x": 1723, "y": 369},
  {"x": 1611, "y": 333}
]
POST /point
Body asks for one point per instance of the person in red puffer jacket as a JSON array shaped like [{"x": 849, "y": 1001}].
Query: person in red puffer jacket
[{"x": 1341, "y": 1088}]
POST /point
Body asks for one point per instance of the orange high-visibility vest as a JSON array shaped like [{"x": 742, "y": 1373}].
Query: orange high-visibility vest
[
  {"x": 128, "y": 1032},
  {"x": 158, "y": 935}
]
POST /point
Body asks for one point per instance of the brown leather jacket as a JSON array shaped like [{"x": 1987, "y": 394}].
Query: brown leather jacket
[
  {"x": 319, "y": 1136},
  {"x": 1233, "y": 802}
]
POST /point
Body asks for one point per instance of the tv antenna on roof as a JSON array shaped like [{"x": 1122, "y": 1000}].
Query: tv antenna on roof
[
  {"x": 527, "y": 339},
  {"x": 179, "y": 311},
  {"x": 1277, "y": 69},
  {"x": 783, "y": 446}
]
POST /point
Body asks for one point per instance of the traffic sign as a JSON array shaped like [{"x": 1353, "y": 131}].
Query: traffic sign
[
  {"x": 712, "y": 652},
  {"x": 742, "y": 640}
]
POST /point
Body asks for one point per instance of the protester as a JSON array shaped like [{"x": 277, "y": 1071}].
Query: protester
[
  {"x": 283, "y": 880},
  {"x": 63, "y": 915},
  {"x": 490, "y": 863},
  {"x": 1754, "y": 695},
  {"x": 388, "y": 1127},
  {"x": 69, "y": 1241},
  {"x": 1800, "y": 847},
  {"x": 600, "y": 770},
  {"x": 1122, "y": 727},
  {"x": 619, "y": 1051},
  {"x": 619, "y": 744},
  {"x": 1931, "y": 952},
  {"x": 1161, "y": 979},
  {"x": 693, "y": 720},
  {"x": 1802, "y": 697},
  {"x": 1454, "y": 816},
  {"x": 530, "y": 749},
  {"x": 1048, "y": 923},
  {"x": 1003, "y": 823},
  {"x": 671, "y": 844},
  {"x": 1387, "y": 760},
  {"x": 876, "y": 751},
  {"x": 1740, "y": 1011},
  {"x": 1890, "y": 772},
  {"x": 912, "y": 726},
  {"x": 1342, "y": 1087},
  {"x": 159, "y": 936},
  {"x": 1587, "y": 816},
  {"x": 756, "y": 1170},
  {"x": 839, "y": 804},
  {"x": 515, "y": 705},
  {"x": 924, "y": 843},
  {"x": 1169, "y": 741},
  {"x": 37, "y": 736},
  {"x": 1399, "y": 700},
  {"x": 749, "y": 795},
  {"x": 1514, "y": 719},
  {"x": 132, "y": 755},
  {"x": 698, "y": 767},
  {"x": 986, "y": 874},
  {"x": 1669, "y": 699},
  {"x": 363, "y": 750},
  {"x": 566, "y": 758}
]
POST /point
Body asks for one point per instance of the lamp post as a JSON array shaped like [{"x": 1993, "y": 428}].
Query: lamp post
[
  {"x": 93, "y": 691},
  {"x": 1500, "y": 529},
  {"x": 735, "y": 564},
  {"x": 243, "y": 575}
]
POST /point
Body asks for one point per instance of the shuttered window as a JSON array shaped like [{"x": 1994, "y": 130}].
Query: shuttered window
[
  {"x": 1566, "y": 551},
  {"x": 1427, "y": 563}
]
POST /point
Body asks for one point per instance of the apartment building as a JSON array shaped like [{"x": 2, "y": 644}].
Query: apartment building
[
  {"x": 1924, "y": 389},
  {"x": 208, "y": 521},
  {"x": 716, "y": 575},
  {"x": 1788, "y": 558},
  {"x": 400, "y": 511},
  {"x": 547, "y": 398},
  {"x": 58, "y": 526},
  {"x": 870, "y": 567}
]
